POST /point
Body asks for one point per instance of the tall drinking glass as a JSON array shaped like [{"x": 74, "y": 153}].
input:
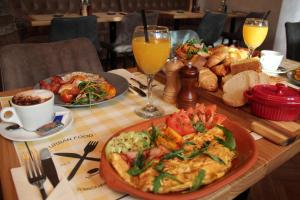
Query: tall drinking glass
[
  {"x": 254, "y": 33},
  {"x": 151, "y": 57}
]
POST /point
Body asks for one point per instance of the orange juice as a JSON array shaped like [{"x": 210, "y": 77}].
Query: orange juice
[
  {"x": 254, "y": 35},
  {"x": 151, "y": 56}
]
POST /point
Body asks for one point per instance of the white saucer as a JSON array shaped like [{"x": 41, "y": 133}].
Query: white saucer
[
  {"x": 280, "y": 70},
  {"x": 21, "y": 135}
]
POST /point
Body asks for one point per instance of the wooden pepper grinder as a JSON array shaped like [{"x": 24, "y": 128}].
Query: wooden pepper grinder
[
  {"x": 187, "y": 96},
  {"x": 172, "y": 80}
]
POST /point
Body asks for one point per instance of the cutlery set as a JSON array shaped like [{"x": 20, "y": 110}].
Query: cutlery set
[
  {"x": 39, "y": 167},
  {"x": 140, "y": 87}
]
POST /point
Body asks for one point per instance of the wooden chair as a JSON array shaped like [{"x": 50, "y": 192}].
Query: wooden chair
[
  {"x": 25, "y": 65},
  {"x": 293, "y": 40},
  {"x": 210, "y": 27}
]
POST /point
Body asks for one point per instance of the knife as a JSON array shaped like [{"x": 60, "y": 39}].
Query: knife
[
  {"x": 49, "y": 167},
  {"x": 75, "y": 155},
  {"x": 138, "y": 90}
]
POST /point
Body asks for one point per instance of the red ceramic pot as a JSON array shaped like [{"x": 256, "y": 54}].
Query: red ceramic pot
[{"x": 274, "y": 102}]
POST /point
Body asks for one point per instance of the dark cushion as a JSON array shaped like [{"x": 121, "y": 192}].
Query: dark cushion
[
  {"x": 210, "y": 27},
  {"x": 8, "y": 30},
  {"x": 26, "y": 64},
  {"x": 62, "y": 28},
  {"x": 293, "y": 40}
]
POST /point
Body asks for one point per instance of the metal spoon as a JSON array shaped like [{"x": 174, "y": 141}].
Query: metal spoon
[{"x": 12, "y": 127}]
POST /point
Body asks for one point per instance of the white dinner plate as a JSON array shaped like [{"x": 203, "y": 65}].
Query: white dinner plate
[{"x": 21, "y": 135}]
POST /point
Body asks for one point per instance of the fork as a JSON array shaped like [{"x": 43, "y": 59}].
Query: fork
[
  {"x": 88, "y": 148},
  {"x": 35, "y": 173}
]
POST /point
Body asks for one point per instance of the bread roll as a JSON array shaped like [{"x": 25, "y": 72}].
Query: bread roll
[
  {"x": 235, "y": 87},
  {"x": 244, "y": 65},
  {"x": 207, "y": 79},
  {"x": 198, "y": 61},
  {"x": 215, "y": 59},
  {"x": 220, "y": 70},
  {"x": 220, "y": 48}
]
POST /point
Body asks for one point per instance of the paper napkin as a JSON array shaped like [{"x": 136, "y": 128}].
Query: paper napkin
[{"x": 26, "y": 191}]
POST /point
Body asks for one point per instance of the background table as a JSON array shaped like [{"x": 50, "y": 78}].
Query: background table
[{"x": 45, "y": 20}]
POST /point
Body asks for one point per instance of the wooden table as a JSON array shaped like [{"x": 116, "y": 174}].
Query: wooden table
[
  {"x": 102, "y": 17},
  {"x": 270, "y": 156},
  {"x": 178, "y": 15}
]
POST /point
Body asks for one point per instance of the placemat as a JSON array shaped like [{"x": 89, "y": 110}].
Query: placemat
[{"x": 97, "y": 123}]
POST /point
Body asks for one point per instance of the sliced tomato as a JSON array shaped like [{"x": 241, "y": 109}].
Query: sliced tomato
[
  {"x": 200, "y": 108},
  {"x": 219, "y": 118},
  {"x": 210, "y": 109},
  {"x": 181, "y": 123},
  {"x": 66, "y": 96}
]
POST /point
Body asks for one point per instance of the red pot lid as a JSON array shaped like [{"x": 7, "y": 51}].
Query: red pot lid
[{"x": 278, "y": 93}]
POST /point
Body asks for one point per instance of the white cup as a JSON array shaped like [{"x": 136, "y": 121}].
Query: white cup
[
  {"x": 270, "y": 60},
  {"x": 30, "y": 117}
]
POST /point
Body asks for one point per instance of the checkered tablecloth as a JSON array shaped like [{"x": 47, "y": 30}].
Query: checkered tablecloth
[{"x": 97, "y": 123}]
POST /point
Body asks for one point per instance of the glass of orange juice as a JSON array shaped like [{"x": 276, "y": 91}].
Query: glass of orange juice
[
  {"x": 150, "y": 57},
  {"x": 255, "y": 31}
]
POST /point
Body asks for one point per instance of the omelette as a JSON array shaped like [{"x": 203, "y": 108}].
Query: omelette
[{"x": 161, "y": 160}]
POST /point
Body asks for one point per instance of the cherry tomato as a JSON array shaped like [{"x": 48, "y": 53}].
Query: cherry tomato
[
  {"x": 55, "y": 87},
  {"x": 111, "y": 91},
  {"x": 66, "y": 96},
  {"x": 75, "y": 91},
  {"x": 56, "y": 79},
  {"x": 45, "y": 85}
]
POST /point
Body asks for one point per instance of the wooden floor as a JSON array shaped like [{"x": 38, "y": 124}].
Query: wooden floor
[{"x": 282, "y": 184}]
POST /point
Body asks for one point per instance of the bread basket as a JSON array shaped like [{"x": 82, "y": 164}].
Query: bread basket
[{"x": 274, "y": 102}]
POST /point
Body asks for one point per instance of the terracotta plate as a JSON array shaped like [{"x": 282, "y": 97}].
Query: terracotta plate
[{"x": 247, "y": 156}]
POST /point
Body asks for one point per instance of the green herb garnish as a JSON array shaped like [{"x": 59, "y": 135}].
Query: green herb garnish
[
  {"x": 199, "y": 126},
  {"x": 198, "y": 152},
  {"x": 139, "y": 165},
  {"x": 229, "y": 141},
  {"x": 197, "y": 183},
  {"x": 154, "y": 134},
  {"x": 193, "y": 41},
  {"x": 189, "y": 143},
  {"x": 159, "y": 178},
  {"x": 135, "y": 170},
  {"x": 159, "y": 167},
  {"x": 215, "y": 158},
  {"x": 174, "y": 154}
]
